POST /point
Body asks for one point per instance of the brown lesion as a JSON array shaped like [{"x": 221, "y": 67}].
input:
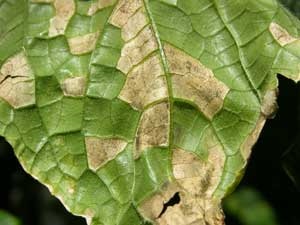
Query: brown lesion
[
  {"x": 252, "y": 138},
  {"x": 269, "y": 104},
  {"x": 193, "y": 81},
  {"x": 123, "y": 11},
  {"x": 195, "y": 181},
  {"x": 145, "y": 84},
  {"x": 98, "y": 5},
  {"x": 134, "y": 25},
  {"x": 194, "y": 184},
  {"x": 153, "y": 130},
  {"x": 74, "y": 86},
  {"x": 64, "y": 10},
  {"x": 102, "y": 150},
  {"x": 280, "y": 34},
  {"x": 199, "y": 176},
  {"x": 17, "y": 85},
  {"x": 268, "y": 109},
  {"x": 137, "y": 49},
  {"x": 83, "y": 44},
  {"x": 130, "y": 17}
]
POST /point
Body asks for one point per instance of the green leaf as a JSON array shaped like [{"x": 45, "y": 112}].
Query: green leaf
[
  {"x": 8, "y": 219},
  {"x": 250, "y": 208},
  {"x": 118, "y": 106}
]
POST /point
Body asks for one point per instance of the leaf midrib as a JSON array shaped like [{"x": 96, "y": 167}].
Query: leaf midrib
[{"x": 166, "y": 70}]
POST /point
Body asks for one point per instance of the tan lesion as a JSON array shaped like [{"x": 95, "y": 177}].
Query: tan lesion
[
  {"x": 269, "y": 104},
  {"x": 248, "y": 144},
  {"x": 134, "y": 25},
  {"x": 280, "y": 34},
  {"x": 146, "y": 81},
  {"x": 268, "y": 109},
  {"x": 123, "y": 11},
  {"x": 74, "y": 86},
  {"x": 200, "y": 177},
  {"x": 192, "y": 210},
  {"x": 17, "y": 85},
  {"x": 153, "y": 130},
  {"x": 145, "y": 84},
  {"x": 98, "y": 5},
  {"x": 193, "y": 81},
  {"x": 64, "y": 10},
  {"x": 137, "y": 49},
  {"x": 130, "y": 16},
  {"x": 83, "y": 44},
  {"x": 195, "y": 182},
  {"x": 101, "y": 150}
]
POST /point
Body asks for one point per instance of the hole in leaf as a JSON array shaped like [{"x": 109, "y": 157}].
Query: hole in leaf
[{"x": 173, "y": 201}]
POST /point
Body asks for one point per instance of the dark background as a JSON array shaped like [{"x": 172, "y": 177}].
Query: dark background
[{"x": 272, "y": 170}]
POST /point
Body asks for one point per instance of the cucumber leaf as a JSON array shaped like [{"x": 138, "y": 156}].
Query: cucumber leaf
[{"x": 120, "y": 107}]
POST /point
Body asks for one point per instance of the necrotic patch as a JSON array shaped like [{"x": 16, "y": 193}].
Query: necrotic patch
[
  {"x": 83, "y": 44},
  {"x": 100, "y": 4},
  {"x": 123, "y": 11},
  {"x": 198, "y": 177},
  {"x": 153, "y": 128},
  {"x": 137, "y": 49},
  {"x": 194, "y": 82},
  {"x": 100, "y": 150},
  {"x": 134, "y": 25},
  {"x": 17, "y": 82},
  {"x": 64, "y": 10},
  {"x": 74, "y": 86},
  {"x": 145, "y": 84},
  {"x": 280, "y": 34}
]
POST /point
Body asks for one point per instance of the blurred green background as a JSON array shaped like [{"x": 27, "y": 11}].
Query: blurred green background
[{"x": 269, "y": 194}]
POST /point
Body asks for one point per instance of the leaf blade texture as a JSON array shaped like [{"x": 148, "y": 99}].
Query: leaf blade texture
[{"x": 116, "y": 106}]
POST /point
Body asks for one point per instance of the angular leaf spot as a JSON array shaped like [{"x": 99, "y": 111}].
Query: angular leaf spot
[
  {"x": 100, "y": 151},
  {"x": 153, "y": 129},
  {"x": 17, "y": 82},
  {"x": 196, "y": 176},
  {"x": 64, "y": 11},
  {"x": 134, "y": 25},
  {"x": 137, "y": 49},
  {"x": 177, "y": 94},
  {"x": 194, "y": 82},
  {"x": 145, "y": 84},
  {"x": 252, "y": 138},
  {"x": 123, "y": 11},
  {"x": 189, "y": 211},
  {"x": 280, "y": 34},
  {"x": 269, "y": 104},
  {"x": 83, "y": 44},
  {"x": 74, "y": 86},
  {"x": 100, "y": 4}
]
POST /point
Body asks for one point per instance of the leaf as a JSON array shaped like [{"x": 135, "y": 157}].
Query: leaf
[
  {"x": 250, "y": 208},
  {"x": 119, "y": 107},
  {"x": 7, "y": 219}
]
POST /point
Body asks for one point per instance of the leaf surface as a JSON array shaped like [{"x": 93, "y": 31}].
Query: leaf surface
[{"x": 117, "y": 106}]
